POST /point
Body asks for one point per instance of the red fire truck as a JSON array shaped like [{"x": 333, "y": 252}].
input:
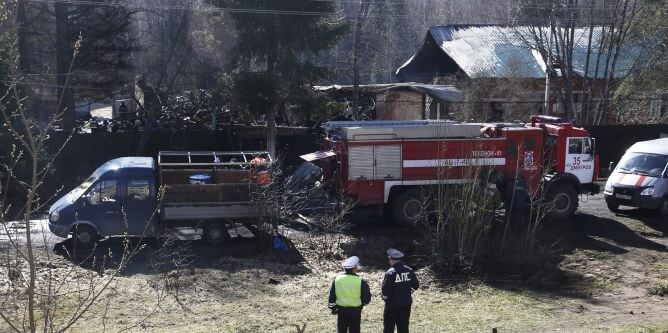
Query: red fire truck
[{"x": 389, "y": 163}]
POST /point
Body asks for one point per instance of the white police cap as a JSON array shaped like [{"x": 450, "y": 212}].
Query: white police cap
[
  {"x": 394, "y": 254},
  {"x": 351, "y": 262}
]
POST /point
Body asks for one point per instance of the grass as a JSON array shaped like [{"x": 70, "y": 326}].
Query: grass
[
  {"x": 254, "y": 306},
  {"x": 656, "y": 327},
  {"x": 481, "y": 308},
  {"x": 598, "y": 270},
  {"x": 660, "y": 290},
  {"x": 233, "y": 295},
  {"x": 243, "y": 301}
]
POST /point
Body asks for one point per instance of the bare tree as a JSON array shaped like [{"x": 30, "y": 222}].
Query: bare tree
[
  {"x": 645, "y": 88},
  {"x": 585, "y": 95},
  {"x": 41, "y": 295}
]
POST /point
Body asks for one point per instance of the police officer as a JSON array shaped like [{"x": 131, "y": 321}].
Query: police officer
[
  {"x": 349, "y": 293},
  {"x": 398, "y": 285}
]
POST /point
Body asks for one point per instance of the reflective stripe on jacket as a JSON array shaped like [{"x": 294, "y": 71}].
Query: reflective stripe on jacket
[{"x": 348, "y": 289}]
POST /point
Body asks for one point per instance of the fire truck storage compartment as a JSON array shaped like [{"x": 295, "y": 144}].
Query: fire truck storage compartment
[
  {"x": 524, "y": 156},
  {"x": 375, "y": 162}
]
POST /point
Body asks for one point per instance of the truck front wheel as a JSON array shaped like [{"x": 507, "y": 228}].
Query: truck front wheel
[
  {"x": 215, "y": 233},
  {"x": 613, "y": 207},
  {"x": 663, "y": 208},
  {"x": 562, "y": 202},
  {"x": 84, "y": 236},
  {"x": 407, "y": 207}
]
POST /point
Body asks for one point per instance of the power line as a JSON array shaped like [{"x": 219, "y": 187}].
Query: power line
[
  {"x": 404, "y": 3},
  {"x": 583, "y": 20},
  {"x": 216, "y": 9}
]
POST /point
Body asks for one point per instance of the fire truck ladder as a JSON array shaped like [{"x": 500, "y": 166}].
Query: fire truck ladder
[
  {"x": 407, "y": 129},
  {"x": 332, "y": 125}
]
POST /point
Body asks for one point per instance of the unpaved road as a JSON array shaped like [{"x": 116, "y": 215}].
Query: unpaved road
[
  {"x": 631, "y": 257},
  {"x": 606, "y": 274}
]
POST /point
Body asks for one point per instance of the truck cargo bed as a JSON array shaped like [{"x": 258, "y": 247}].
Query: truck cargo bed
[{"x": 231, "y": 183}]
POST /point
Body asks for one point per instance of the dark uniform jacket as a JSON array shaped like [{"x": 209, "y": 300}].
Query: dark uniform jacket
[
  {"x": 366, "y": 294},
  {"x": 398, "y": 285}
]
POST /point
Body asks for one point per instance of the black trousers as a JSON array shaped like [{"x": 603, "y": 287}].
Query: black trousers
[
  {"x": 396, "y": 316},
  {"x": 349, "y": 320}
]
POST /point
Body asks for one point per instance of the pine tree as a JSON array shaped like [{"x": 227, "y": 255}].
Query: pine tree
[
  {"x": 276, "y": 42},
  {"x": 48, "y": 35}
]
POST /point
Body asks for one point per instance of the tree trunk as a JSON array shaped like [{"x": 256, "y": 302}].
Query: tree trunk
[
  {"x": 565, "y": 44},
  {"x": 361, "y": 17},
  {"x": 272, "y": 58},
  {"x": 271, "y": 131},
  {"x": 22, "y": 20},
  {"x": 32, "y": 295},
  {"x": 64, "y": 55},
  {"x": 586, "y": 88},
  {"x": 616, "y": 40}
]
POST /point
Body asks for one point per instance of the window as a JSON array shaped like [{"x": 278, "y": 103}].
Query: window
[
  {"x": 576, "y": 146},
  {"x": 643, "y": 164},
  {"x": 586, "y": 146},
  {"x": 138, "y": 190},
  {"x": 102, "y": 192}
]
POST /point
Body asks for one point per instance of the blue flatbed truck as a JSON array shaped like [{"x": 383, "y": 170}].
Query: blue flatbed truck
[{"x": 142, "y": 197}]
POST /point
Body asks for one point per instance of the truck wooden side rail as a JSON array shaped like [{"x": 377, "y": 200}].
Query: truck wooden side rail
[{"x": 229, "y": 179}]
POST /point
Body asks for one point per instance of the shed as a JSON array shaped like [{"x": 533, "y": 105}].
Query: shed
[{"x": 404, "y": 101}]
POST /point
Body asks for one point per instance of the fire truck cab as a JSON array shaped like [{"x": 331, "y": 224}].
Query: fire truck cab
[{"x": 387, "y": 163}]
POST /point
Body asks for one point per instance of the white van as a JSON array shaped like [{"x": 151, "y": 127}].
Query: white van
[{"x": 640, "y": 178}]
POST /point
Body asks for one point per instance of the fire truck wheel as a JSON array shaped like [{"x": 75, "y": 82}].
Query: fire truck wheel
[
  {"x": 407, "y": 207},
  {"x": 563, "y": 201},
  {"x": 215, "y": 233}
]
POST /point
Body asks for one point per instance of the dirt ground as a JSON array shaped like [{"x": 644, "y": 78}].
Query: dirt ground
[{"x": 605, "y": 273}]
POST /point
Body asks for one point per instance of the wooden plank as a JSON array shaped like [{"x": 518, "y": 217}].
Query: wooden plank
[
  {"x": 197, "y": 193},
  {"x": 212, "y": 211}
]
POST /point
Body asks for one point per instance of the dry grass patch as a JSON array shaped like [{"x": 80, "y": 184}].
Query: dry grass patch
[{"x": 591, "y": 271}]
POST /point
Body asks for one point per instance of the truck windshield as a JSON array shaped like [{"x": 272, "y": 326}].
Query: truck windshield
[
  {"x": 643, "y": 164},
  {"x": 76, "y": 193},
  {"x": 79, "y": 190}
]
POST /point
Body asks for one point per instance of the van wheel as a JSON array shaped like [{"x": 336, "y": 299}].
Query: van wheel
[
  {"x": 663, "y": 209},
  {"x": 407, "y": 207},
  {"x": 215, "y": 233},
  {"x": 613, "y": 207},
  {"x": 84, "y": 236},
  {"x": 562, "y": 202}
]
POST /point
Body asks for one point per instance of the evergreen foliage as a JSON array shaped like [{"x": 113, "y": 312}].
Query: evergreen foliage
[
  {"x": 103, "y": 61},
  {"x": 277, "y": 53}
]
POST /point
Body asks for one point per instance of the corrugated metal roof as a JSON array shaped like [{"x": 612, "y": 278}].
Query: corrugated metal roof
[{"x": 497, "y": 51}]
